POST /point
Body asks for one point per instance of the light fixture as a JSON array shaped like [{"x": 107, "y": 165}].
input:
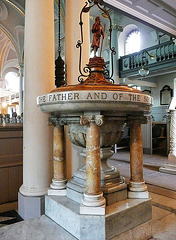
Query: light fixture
[
  {"x": 143, "y": 71},
  {"x": 151, "y": 55},
  {"x": 4, "y": 104}
]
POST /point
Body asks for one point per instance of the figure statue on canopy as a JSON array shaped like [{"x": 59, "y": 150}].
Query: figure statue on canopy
[{"x": 97, "y": 31}]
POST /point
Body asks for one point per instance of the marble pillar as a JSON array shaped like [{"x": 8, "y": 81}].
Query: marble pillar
[
  {"x": 58, "y": 185},
  {"x": 21, "y": 75},
  {"x": 93, "y": 201},
  {"x": 72, "y": 35},
  {"x": 171, "y": 166},
  {"x": 137, "y": 186},
  {"x": 39, "y": 79}
]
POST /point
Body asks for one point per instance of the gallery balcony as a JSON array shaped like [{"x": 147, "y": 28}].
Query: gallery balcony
[{"x": 154, "y": 60}]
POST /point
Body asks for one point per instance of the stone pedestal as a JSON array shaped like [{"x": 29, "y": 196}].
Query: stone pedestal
[
  {"x": 171, "y": 166},
  {"x": 120, "y": 218},
  {"x": 113, "y": 185}
]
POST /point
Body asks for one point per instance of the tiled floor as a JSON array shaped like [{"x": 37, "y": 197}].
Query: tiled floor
[{"x": 163, "y": 195}]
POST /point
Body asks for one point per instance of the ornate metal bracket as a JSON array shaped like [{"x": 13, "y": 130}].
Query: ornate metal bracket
[{"x": 86, "y": 70}]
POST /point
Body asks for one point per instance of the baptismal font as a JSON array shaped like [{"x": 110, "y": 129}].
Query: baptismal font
[{"x": 95, "y": 111}]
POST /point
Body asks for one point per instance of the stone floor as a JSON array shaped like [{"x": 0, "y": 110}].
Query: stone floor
[
  {"x": 162, "y": 192},
  {"x": 158, "y": 182},
  {"x": 10, "y": 217}
]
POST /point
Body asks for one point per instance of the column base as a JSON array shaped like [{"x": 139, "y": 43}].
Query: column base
[
  {"x": 113, "y": 186},
  {"x": 168, "y": 168},
  {"x": 137, "y": 186},
  {"x": 30, "y": 207},
  {"x": 101, "y": 210},
  {"x": 138, "y": 195},
  {"x": 93, "y": 200},
  {"x": 57, "y": 188},
  {"x": 30, "y": 192},
  {"x": 58, "y": 185},
  {"x": 138, "y": 190},
  {"x": 56, "y": 192}
]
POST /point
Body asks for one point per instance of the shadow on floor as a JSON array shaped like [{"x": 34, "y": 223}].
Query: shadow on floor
[{"x": 10, "y": 217}]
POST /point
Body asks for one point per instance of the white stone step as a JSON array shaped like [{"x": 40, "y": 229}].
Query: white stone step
[{"x": 42, "y": 228}]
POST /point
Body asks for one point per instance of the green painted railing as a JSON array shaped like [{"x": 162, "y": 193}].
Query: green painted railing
[{"x": 154, "y": 58}]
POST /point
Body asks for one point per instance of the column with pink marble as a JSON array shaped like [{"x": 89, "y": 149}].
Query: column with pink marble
[
  {"x": 137, "y": 186},
  {"x": 93, "y": 201},
  {"x": 58, "y": 185}
]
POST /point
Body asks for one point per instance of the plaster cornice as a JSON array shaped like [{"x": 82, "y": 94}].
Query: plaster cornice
[{"x": 141, "y": 16}]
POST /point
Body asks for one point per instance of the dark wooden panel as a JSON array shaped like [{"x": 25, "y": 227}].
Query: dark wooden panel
[
  {"x": 13, "y": 183},
  {"x": 11, "y": 146},
  {"x": 20, "y": 176},
  {"x": 11, "y": 159},
  {"x": 4, "y": 182}
]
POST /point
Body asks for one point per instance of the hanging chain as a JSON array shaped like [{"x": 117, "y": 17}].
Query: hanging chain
[{"x": 59, "y": 33}]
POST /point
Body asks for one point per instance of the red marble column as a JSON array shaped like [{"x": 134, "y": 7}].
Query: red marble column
[
  {"x": 93, "y": 200},
  {"x": 93, "y": 161},
  {"x": 58, "y": 185},
  {"x": 136, "y": 153},
  {"x": 137, "y": 186}
]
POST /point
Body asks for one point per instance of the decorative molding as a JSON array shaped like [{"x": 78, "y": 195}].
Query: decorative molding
[
  {"x": 3, "y": 11},
  {"x": 16, "y": 7},
  {"x": 141, "y": 16}
]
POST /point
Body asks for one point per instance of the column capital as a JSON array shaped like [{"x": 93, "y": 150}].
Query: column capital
[
  {"x": 97, "y": 119},
  {"x": 53, "y": 121},
  {"x": 137, "y": 120},
  {"x": 56, "y": 121}
]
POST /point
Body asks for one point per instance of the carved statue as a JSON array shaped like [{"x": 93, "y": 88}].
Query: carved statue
[{"x": 97, "y": 31}]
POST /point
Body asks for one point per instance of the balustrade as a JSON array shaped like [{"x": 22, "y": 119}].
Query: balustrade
[
  {"x": 154, "y": 58},
  {"x": 15, "y": 119}
]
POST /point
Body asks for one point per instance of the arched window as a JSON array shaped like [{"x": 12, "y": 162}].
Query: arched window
[
  {"x": 12, "y": 82},
  {"x": 132, "y": 43}
]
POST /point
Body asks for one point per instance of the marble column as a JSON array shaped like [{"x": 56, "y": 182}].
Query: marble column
[
  {"x": 137, "y": 186},
  {"x": 21, "y": 75},
  {"x": 58, "y": 185},
  {"x": 39, "y": 79},
  {"x": 93, "y": 201},
  {"x": 171, "y": 166},
  {"x": 72, "y": 35}
]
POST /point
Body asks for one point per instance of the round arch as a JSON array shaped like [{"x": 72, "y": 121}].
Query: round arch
[
  {"x": 7, "y": 33},
  {"x": 122, "y": 38}
]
